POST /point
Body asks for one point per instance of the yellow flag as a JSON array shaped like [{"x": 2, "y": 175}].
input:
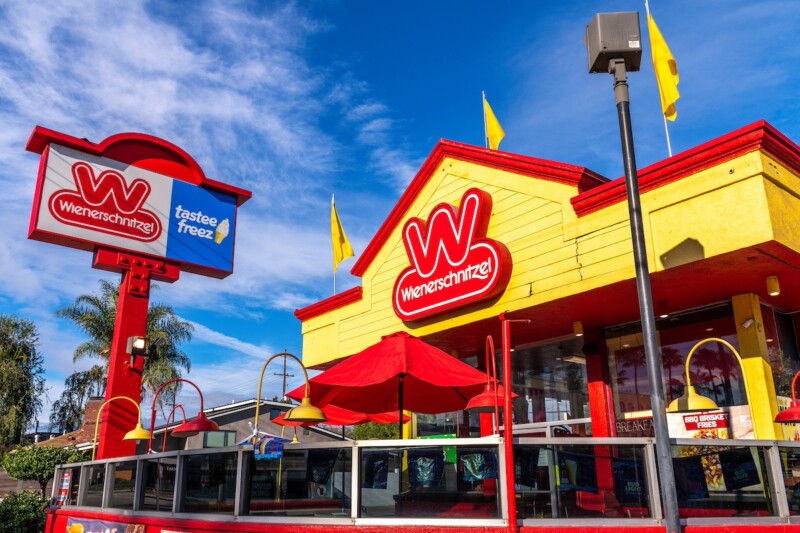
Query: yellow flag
[
  {"x": 494, "y": 131},
  {"x": 666, "y": 70},
  {"x": 341, "y": 246}
]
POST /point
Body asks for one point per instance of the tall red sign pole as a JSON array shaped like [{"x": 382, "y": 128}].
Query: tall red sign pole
[{"x": 124, "y": 372}]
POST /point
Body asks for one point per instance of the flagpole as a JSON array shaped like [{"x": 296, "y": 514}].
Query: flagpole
[
  {"x": 334, "y": 259},
  {"x": 666, "y": 129},
  {"x": 485, "y": 131}
]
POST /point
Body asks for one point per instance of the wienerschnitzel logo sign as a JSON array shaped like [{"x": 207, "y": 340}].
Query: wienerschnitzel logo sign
[
  {"x": 453, "y": 264},
  {"x": 84, "y": 200},
  {"x": 106, "y": 203}
]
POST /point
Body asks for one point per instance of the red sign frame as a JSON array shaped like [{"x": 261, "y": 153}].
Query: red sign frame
[{"x": 453, "y": 264}]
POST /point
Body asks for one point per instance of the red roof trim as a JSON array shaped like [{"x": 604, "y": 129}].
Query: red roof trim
[
  {"x": 582, "y": 178},
  {"x": 148, "y": 148},
  {"x": 329, "y": 304},
  {"x": 757, "y": 136}
]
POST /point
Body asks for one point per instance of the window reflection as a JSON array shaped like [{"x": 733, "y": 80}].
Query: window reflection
[
  {"x": 430, "y": 482},
  {"x": 715, "y": 481},
  {"x": 124, "y": 482},
  {"x": 581, "y": 481},
  {"x": 159, "y": 484},
  {"x": 714, "y": 370},
  {"x": 210, "y": 483},
  {"x": 314, "y": 482},
  {"x": 95, "y": 478},
  {"x": 550, "y": 380}
]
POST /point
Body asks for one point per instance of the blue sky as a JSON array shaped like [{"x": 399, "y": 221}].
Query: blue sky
[{"x": 296, "y": 101}]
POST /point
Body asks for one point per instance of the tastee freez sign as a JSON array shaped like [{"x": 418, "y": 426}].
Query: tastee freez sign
[
  {"x": 453, "y": 264},
  {"x": 123, "y": 197}
]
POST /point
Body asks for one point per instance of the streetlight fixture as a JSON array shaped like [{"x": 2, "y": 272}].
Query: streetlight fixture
[
  {"x": 508, "y": 422},
  {"x": 305, "y": 412},
  {"x": 141, "y": 347},
  {"x": 489, "y": 401},
  {"x": 137, "y": 347},
  {"x": 691, "y": 401},
  {"x": 137, "y": 433},
  {"x": 614, "y": 45},
  {"x": 186, "y": 429},
  {"x": 166, "y": 424}
]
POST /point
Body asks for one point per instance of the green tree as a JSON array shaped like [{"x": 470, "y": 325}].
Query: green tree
[
  {"x": 21, "y": 382},
  {"x": 373, "y": 431},
  {"x": 95, "y": 314},
  {"x": 67, "y": 412},
  {"x": 783, "y": 372},
  {"x": 23, "y": 512},
  {"x": 38, "y": 463}
]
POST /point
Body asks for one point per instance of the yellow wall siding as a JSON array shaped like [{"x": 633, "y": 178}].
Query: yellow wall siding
[
  {"x": 784, "y": 203},
  {"x": 714, "y": 220}
]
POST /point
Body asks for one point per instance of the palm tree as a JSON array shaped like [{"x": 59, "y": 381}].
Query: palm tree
[
  {"x": 96, "y": 314},
  {"x": 634, "y": 358},
  {"x": 672, "y": 358}
]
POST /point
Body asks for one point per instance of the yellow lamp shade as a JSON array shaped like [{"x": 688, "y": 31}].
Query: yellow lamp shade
[
  {"x": 691, "y": 401},
  {"x": 137, "y": 433},
  {"x": 305, "y": 412}
]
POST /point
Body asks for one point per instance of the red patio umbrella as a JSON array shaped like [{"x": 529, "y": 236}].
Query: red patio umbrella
[
  {"x": 338, "y": 416},
  {"x": 399, "y": 372}
]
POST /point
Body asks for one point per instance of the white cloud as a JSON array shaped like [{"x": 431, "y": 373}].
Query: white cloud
[
  {"x": 366, "y": 111},
  {"x": 208, "y": 335}
]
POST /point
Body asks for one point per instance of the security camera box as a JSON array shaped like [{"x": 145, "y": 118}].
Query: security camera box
[{"x": 614, "y": 36}]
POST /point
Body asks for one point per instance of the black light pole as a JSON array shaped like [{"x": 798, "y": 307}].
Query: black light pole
[{"x": 613, "y": 40}]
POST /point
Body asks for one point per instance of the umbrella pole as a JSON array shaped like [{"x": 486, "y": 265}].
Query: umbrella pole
[
  {"x": 400, "y": 406},
  {"x": 400, "y": 427}
]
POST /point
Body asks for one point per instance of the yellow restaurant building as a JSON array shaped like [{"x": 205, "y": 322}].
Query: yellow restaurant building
[{"x": 721, "y": 221}]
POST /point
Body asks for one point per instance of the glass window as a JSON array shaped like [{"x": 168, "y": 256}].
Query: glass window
[
  {"x": 442, "y": 424},
  {"x": 124, "y": 482},
  {"x": 68, "y": 484},
  {"x": 219, "y": 439},
  {"x": 581, "y": 481},
  {"x": 159, "y": 484},
  {"x": 313, "y": 482},
  {"x": 550, "y": 381},
  {"x": 717, "y": 481},
  {"x": 781, "y": 340},
  {"x": 714, "y": 371},
  {"x": 210, "y": 483},
  {"x": 786, "y": 341},
  {"x": 95, "y": 479},
  {"x": 430, "y": 482},
  {"x": 790, "y": 463}
]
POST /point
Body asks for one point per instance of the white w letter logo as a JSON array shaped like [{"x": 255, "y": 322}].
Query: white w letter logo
[{"x": 448, "y": 233}]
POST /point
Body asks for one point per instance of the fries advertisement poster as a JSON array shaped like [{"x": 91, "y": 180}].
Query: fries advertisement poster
[{"x": 733, "y": 422}]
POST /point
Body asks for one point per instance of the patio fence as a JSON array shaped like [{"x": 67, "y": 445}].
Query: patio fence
[{"x": 446, "y": 482}]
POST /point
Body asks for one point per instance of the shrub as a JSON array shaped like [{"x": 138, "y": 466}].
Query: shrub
[
  {"x": 38, "y": 463},
  {"x": 23, "y": 512}
]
